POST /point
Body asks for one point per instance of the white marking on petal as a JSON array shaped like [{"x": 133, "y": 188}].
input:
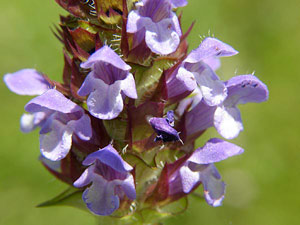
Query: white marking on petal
[{"x": 228, "y": 121}]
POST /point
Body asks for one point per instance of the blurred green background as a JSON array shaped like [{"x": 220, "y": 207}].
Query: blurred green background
[{"x": 263, "y": 185}]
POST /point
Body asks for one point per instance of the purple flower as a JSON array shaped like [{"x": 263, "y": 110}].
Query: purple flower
[
  {"x": 226, "y": 116},
  {"x": 198, "y": 70},
  {"x": 28, "y": 82},
  {"x": 59, "y": 119},
  {"x": 199, "y": 168},
  {"x": 107, "y": 83},
  {"x": 157, "y": 23},
  {"x": 111, "y": 181},
  {"x": 164, "y": 128}
]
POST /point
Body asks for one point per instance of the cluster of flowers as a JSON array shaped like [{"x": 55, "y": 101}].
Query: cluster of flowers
[{"x": 122, "y": 126}]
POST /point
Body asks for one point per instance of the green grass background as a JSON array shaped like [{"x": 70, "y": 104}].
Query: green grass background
[{"x": 263, "y": 185}]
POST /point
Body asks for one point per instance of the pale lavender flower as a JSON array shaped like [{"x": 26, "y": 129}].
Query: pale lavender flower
[
  {"x": 155, "y": 21},
  {"x": 226, "y": 116},
  {"x": 28, "y": 82},
  {"x": 62, "y": 118},
  {"x": 199, "y": 168},
  {"x": 107, "y": 83},
  {"x": 198, "y": 70},
  {"x": 111, "y": 181}
]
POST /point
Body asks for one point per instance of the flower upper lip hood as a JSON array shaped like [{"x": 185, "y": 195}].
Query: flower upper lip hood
[
  {"x": 210, "y": 47},
  {"x": 161, "y": 26},
  {"x": 26, "y": 82},
  {"x": 105, "y": 55}
]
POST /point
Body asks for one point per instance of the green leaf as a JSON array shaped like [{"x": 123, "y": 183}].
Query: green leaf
[{"x": 69, "y": 197}]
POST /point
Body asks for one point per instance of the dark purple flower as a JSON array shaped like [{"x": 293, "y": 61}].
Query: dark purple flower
[
  {"x": 61, "y": 118},
  {"x": 107, "y": 83},
  {"x": 159, "y": 24},
  {"x": 198, "y": 70},
  {"x": 164, "y": 128},
  {"x": 199, "y": 168},
  {"x": 170, "y": 118},
  {"x": 111, "y": 181},
  {"x": 226, "y": 116}
]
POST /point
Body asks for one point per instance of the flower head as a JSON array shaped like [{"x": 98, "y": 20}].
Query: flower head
[
  {"x": 199, "y": 168},
  {"x": 58, "y": 117},
  {"x": 111, "y": 181},
  {"x": 62, "y": 118},
  {"x": 159, "y": 24},
  {"x": 107, "y": 83},
  {"x": 126, "y": 63},
  {"x": 226, "y": 116},
  {"x": 198, "y": 70}
]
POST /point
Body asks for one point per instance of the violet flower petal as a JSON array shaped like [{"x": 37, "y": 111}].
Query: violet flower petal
[
  {"x": 81, "y": 128},
  {"x": 56, "y": 144},
  {"x": 107, "y": 55},
  {"x": 106, "y": 101},
  {"x": 189, "y": 178},
  {"x": 214, "y": 187},
  {"x": 213, "y": 62},
  {"x": 108, "y": 80},
  {"x": 109, "y": 156},
  {"x": 128, "y": 86},
  {"x": 52, "y": 100},
  {"x": 199, "y": 118},
  {"x": 128, "y": 187},
  {"x": 241, "y": 89},
  {"x": 245, "y": 88},
  {"x": 214, "y": 150},
  {"x": 89, "y": 85},
  {"x": 100, "y": 197},
  {"x": 178, "y": 3},
  {"x": 183, "y": 82},
  {"x": 26, "y": 82},
  {"x": 228, "y": 122},
  {"x": 210, "y": 47},
  {"x": 135, "y": 22},
  {"x": 162, "y": 29},
  {"x": 85, "y": 178},
  {"x": 213, "y": 90},
  {"x": 29, "y": 122},
  {"x": 162, "y": 38}
]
